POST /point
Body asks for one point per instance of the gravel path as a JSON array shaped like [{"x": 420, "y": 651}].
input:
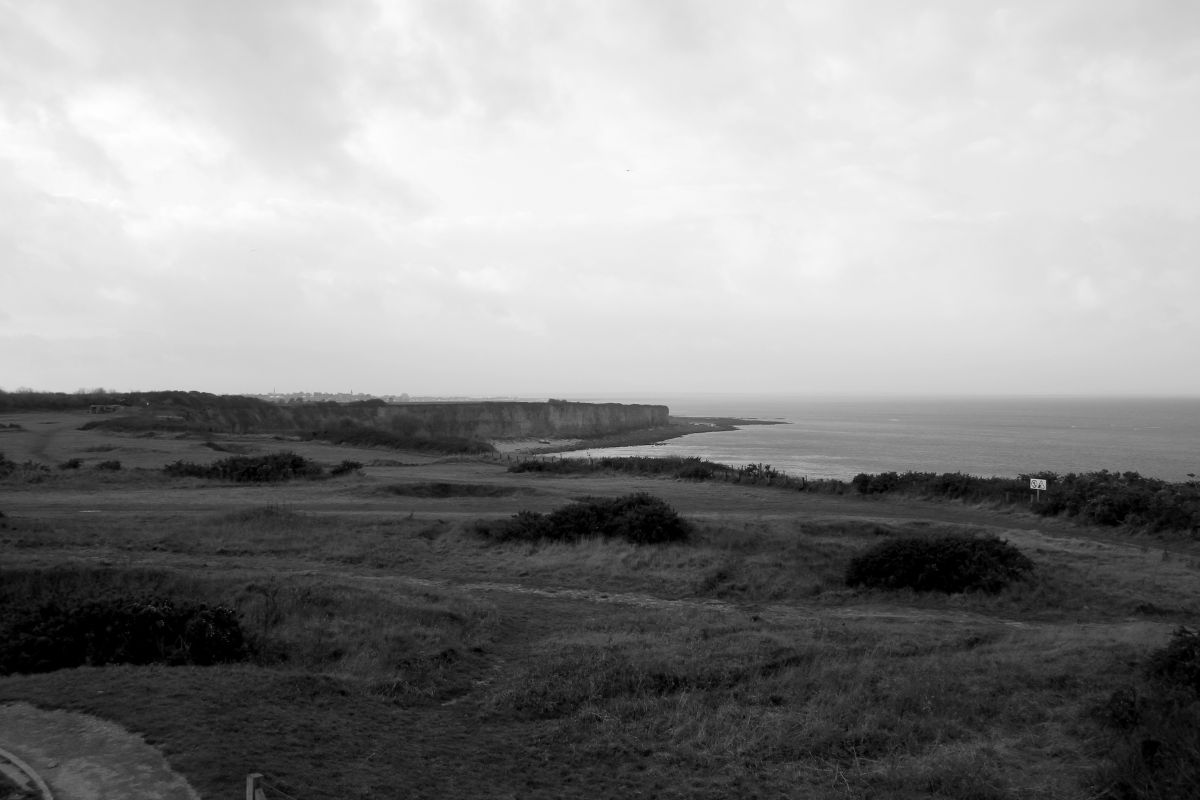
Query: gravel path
[{"x": 81, "y": 757}]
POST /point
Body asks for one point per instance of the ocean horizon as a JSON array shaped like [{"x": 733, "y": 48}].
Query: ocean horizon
[{"x": 825, "y": 437}]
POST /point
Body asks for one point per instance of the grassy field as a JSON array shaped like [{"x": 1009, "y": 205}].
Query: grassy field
[{"x": 397, "y": 653}]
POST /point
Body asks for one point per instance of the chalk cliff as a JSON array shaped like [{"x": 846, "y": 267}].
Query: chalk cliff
[
  {"x": 467, "y": 420},
  {"x": 512, "y": 420}
]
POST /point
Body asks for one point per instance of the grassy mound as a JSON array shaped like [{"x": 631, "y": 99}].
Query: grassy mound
[
  {"x": 943, "y": 564},
  {"x": 639, "y": 518}
]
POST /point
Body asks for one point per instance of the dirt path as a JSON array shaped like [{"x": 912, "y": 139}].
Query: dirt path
[{"x": 81, "y": 757}]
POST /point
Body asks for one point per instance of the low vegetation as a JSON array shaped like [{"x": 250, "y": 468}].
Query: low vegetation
[
  {"x": 270, "y": 468},
  {"x": 1094, "y": 498},
  {"x": 11, "y": 790},
  {"x": 410, "y": 647},
  {"x": 24, "y": 472},
  {"x": 54, "y": 621},
  {"x": 1155, "y": 752},
  {"x": 553, "y": 654},
  {"x": 443, "y": 489},
  {"x": 356, "y": 435},
  {"x": 347, "y": 467},
  {"x": 639, "y": 518},
  {"x": 947, "y": 564}
]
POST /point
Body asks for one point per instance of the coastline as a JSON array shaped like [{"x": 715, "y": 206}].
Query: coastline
[{"x": 678, "y": 427}]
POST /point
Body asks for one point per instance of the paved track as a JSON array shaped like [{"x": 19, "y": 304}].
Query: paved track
[{"x": 81, "y": 757}]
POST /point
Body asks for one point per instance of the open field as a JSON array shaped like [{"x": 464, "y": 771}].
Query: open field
[{"x": 400, "y": 654}]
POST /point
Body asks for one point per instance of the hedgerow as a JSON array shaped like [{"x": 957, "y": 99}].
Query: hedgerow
[
  {"x": 1097, "y": 498},
  {"x": 939, "y": 564}
]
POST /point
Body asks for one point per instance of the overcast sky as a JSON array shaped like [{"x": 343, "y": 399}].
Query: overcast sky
[{"x": 546, "y": 197}]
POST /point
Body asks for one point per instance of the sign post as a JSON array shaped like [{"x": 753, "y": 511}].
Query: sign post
[{"x": 1038, "y": 485}]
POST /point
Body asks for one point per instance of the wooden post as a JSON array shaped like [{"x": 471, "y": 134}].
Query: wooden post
[{"x": 254, "y": 786}]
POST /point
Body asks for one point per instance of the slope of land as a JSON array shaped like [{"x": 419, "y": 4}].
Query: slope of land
[{"x": 400, "y": 653}]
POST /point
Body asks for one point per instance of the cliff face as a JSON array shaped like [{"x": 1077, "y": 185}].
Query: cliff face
[
  {"x": 501, "y": 420},
  {"x": 483, "y": 420}
]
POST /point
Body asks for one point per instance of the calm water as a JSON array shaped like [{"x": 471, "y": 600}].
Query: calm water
[{"x": 825, "y": 438}]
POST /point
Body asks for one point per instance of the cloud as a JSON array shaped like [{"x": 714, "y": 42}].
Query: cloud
[{"x": 478, "y": 196}]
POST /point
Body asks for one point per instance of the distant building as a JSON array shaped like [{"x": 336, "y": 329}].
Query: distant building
[{"x": 108, "y": 408}]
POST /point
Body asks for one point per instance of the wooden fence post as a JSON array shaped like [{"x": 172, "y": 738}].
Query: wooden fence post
[{"x": 254, "y": 787}]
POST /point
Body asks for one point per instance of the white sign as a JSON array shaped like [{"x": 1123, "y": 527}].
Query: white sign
[{"x": 1037, "y": 483}]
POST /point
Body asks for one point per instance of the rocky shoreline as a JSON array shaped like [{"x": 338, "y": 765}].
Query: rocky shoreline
[{"x": 679, "y": 426}]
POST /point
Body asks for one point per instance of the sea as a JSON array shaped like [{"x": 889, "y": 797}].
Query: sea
[{"x": 985, "y": 436}]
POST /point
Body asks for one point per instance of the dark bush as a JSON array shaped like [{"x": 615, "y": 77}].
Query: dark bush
[
  {"x": 690, "y": 468},
  {"x": 941, "y": 564},
  {"x": 876, "y": 484},
  {"x": 71, "y": 463},
  {"x": 270, "y": 468},
  {"x": 345, "y": 468},
  {"x": 639, "y": 518},
  {"x": 442, "y": 490},
  {"x": 148, "y": 630},
  {"x": 696, "y": 471},
  {"x": 111, "y": 466}
]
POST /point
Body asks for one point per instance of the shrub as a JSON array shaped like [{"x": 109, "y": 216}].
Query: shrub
[
  {"x": 876, "y": 484},
  {"x": 690, "y": 468},
  {"x": 941, "y": 564},
  {"x": 638, "y": 518},
  {"x": 270, "y": 468},
  {"x": 71, "y": 463},
  {"x": 697, "y": 470},
  {"x": 124, "y": 630},
  {"x": 111, "y": 466},
  {"x": 29, "y": 471},
  {"x": 345, "y": 468}
]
